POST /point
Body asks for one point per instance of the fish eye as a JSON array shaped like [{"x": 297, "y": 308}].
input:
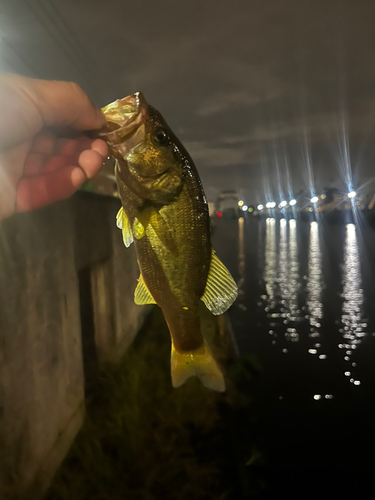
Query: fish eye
[{"x": 160, "y": 136}]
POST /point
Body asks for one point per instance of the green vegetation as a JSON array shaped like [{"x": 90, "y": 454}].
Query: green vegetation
[{"x": 144, "y": 440}]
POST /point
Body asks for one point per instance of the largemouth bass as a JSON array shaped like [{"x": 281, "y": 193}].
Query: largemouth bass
[{"x": 165, "y": 213}]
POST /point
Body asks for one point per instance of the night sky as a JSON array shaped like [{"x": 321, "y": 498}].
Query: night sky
[{"x": 268, "y": 97}]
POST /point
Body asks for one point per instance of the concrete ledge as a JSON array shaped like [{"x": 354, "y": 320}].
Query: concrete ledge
[
  {"x": 52, "y": 461},
  {"x": 66, "y": 305}
]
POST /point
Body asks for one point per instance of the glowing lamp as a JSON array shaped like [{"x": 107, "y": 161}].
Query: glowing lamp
[
  {"x": 292, "y": 202},
  {"x": 260, "y": 207},
  {"x": 240, "y": 203},
  {"x": 352, "y": 194},
  {"x": 271, "y": 204},
  {"x": 314, "y": 199}
]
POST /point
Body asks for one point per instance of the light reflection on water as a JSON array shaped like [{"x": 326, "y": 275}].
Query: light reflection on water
[
  {"x": 283, "y": 263},
  {"x": 270, "y": 268},
  {"x": 314, "y": 287},
  {"x": 241, "y": 259},
  {"x": 293, "y": 276},
  {"x": 353, "y": 325},
  {"x": 282, "y": 283}
]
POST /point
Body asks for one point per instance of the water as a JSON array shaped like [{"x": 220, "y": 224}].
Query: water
[{"x": 306, "y": 308}]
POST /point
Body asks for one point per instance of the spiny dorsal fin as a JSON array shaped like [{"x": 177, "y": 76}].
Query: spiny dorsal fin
[
  {"x": 142, "y": 294},
  {"x": 199, "y": 363},
  {"x": 122, "y": 222},
  {"x": 221, "y": 290}
]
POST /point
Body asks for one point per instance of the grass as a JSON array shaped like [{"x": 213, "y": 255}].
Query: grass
[{"x": 144, "y": 440}]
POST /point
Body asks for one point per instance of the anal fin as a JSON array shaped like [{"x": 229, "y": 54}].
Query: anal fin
[
  {"x": 142, "y": 294},
  {"x": 199, "y": 363}
]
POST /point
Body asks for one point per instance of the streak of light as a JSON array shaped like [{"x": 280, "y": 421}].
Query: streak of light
[
  {"x": 308, "y": 163},
  {"x": 241, "y": 257},
  {"x": 283, "y": 261},
  {"x": 344, "y": 163},
  {"x": 353, "y": 325},
  {"x": 270, "y": 271},
  {"x": 51, "y": 23},
  {"x": 293, "y": 272},
  {"x": 282, "y": 280},
  {"x": 315, "y": 281},
  {"x": 11, "y": 60}
]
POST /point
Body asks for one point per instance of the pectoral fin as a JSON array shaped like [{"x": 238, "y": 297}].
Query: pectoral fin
[
  {"x": 221, "y": 290},
  {"x": 139, "y": 230},
  {"x": 199, "y": 363},
  {"x": 123, "y": 223},
  {"x": 142, "y": 294},
  {"x": 162, "y": 231}
]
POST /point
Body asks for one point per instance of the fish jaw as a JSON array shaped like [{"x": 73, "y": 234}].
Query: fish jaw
[
  {"x": 126, "y": 119},
  {"x": 122, "y": 112}
]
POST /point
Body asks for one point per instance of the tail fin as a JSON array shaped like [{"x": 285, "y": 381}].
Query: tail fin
[{"x": 199, "y": 363}]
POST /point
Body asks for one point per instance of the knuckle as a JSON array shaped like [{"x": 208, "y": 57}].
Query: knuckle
[{"x": 76, "y": 88}]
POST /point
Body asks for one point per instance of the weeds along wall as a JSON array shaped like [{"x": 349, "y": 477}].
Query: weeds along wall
[{"x": 66, "y": 307}]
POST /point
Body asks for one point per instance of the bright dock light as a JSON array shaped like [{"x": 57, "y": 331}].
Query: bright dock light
[
  {"x": 244, "y": 208},
  {"x": 283, "y": 204},
  {"x": 271, "y": 204},
  {"x": 260, "y": 207},
  {"x": 314, "y": 199},
  {"x": 292, "y": 202},
  {"x": 240, "y": 203},
  {"x": 352, "y": 194}
]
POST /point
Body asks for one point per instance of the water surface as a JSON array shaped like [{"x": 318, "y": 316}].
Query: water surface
[{"x": 306, "y": 308}]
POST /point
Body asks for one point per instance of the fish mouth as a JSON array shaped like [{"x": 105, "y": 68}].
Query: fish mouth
[{"x": 124, "y": 116}]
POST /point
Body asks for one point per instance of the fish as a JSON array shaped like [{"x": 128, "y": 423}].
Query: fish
[{"x": 165, "y": 215}]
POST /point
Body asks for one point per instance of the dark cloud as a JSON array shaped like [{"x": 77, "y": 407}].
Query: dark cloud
[{"x": 257, "y": 90}]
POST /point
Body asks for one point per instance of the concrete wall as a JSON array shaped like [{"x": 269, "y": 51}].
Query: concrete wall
[{"x": 66, "y": 304}]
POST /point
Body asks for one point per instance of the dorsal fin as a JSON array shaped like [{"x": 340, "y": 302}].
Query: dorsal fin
[
  {"x": 142, "y": 294},
  {"x": 221, "y": 290},
  {"x": 123, "y": 223}
]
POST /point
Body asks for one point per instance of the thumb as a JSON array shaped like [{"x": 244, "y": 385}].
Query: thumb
[
  {"x": 28, "y": 105},
  {"x": 66, "y": 103}
]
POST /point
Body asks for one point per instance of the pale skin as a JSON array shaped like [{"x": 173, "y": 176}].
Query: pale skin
[{"x": 38, "y": 163}]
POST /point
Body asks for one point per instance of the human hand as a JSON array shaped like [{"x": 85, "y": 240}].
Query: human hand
[{"x": 37, "y": 164}]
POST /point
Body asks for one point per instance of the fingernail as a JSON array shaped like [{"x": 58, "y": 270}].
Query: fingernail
[{"x": 77, "y": 177}]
